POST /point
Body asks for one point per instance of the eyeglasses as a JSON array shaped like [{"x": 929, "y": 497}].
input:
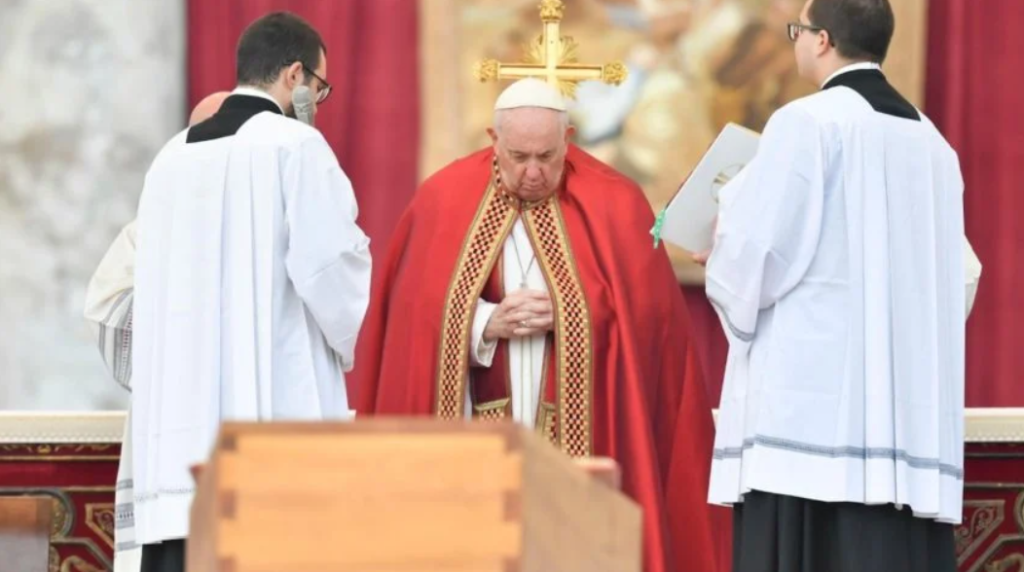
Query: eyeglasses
[
  {"x": 325, "y": 88},
  {"x": 793, "y": 30}
]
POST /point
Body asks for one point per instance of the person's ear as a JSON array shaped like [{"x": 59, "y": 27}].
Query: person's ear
[
  {"x": 823, "y": 41},
  {"x": 294, "y": 75},
  {"x": 569, "y": 132},
  {"x": 494, "y": 137}
]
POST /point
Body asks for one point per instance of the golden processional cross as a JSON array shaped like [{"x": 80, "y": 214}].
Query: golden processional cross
[{"x": 553, "y": 58}]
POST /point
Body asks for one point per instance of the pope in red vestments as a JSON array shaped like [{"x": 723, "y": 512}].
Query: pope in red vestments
[{"x": 617, "y": 376}]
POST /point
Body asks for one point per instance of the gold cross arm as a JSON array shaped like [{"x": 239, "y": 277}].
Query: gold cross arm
[
  {"x": 552, "y": 57},
  {"x": 492, "y": 70}
]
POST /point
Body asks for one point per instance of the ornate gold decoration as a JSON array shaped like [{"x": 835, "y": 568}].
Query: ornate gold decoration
[
  {"x": 61, "y": 516},
  {"x": 553, "y": 58},
  {"x": 48, "y": 449},
  {"x": 77, "y": 564},
  {"x": 552, "y": 10},
  {"x": 48, "y": 452},
  {"x": 1012, "y": 563},
  {"x": 981, "y": 520},
  {"x": 487, "y": 70},
  {"x": 491, "y": 225},
  {"x": 496, "y": 410},
  {"x": 65, "y": 533},
  {"x": 99, "y": 517},
  {"x": 568, "y": 51},
  {"x": 546, "y": 425},
  {"x": 572, "y": 349},
  {"x": 614, "y": 73},
  {"x": 54, "y": 565},
  {"x": 568, "y": 423}
]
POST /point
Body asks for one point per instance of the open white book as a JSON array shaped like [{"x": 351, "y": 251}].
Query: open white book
[{"x": 688, "y": 220}]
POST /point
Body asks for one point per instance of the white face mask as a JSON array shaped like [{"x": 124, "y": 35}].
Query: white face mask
[{"x": 302, "y": 105}]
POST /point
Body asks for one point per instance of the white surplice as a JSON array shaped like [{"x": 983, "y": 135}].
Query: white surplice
[
  {"x": 525, "y": 355},
  {"x": 108, "y": 304},
  {"x": 108, "y": 307},
  {"x": 252, "y": 281},
  {"x": 839, "y": 274}
]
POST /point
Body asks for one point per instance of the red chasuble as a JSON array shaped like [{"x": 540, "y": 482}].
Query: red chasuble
[{"x": 622, "y": 377}]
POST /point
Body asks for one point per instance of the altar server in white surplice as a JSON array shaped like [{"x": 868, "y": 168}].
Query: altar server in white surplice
[
  {"x": 252, "y": 279},
  {"x": 839, "y": 274},
  {"x": 108, "y": 305}
]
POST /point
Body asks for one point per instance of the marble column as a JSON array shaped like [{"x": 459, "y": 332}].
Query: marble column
[{"x": 91, "y": 89}]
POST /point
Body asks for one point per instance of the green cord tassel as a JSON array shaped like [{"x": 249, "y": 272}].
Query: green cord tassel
[{"x": 658, "y": 223}]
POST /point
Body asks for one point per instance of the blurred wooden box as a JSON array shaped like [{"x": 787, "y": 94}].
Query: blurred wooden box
[
  {"x": 25, "y": 533},
  {"x": 406, "y": 495}
]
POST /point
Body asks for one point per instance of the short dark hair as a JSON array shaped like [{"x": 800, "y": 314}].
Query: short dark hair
[
  {"x": 273, "y": 43},
  {"x": 859, "y": 29}
]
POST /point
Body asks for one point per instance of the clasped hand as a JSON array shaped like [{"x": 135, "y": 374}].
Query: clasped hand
[{"x": 521, "y": 314}]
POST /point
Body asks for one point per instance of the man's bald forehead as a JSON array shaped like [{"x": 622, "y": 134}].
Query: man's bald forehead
[
  {"x": 207, "y": 107},
  {"x": 530, "y": 117}
]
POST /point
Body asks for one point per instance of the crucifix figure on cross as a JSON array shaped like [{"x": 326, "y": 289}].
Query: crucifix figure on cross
[{"x": 553, "y": 58}]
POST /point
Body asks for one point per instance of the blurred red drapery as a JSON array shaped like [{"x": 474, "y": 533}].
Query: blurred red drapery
[
  {"x": 975, "y": 95},
  {"x": 371, "y": 119}
]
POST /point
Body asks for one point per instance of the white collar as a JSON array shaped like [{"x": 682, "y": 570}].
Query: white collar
[
  {"x": 254, "y": 92},
  {"x": 852, "y": 67}
]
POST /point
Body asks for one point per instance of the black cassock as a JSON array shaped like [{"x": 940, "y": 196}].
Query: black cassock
[
  {"x": 168, "y": 556},
  {"x": 778, "y": 533}
]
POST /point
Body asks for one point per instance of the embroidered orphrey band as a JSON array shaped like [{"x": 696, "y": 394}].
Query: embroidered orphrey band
[
  {"x": 490, "y": 227},
  {"x": 546, "y": 423},
  {"x": 574, "y": 365},
  {"x": 494, "y": 410}
]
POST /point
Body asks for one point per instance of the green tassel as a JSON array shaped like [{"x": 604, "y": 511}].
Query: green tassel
[{"x": 658, "y": 223}]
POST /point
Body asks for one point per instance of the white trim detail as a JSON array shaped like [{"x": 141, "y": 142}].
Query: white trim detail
[
  {"x": 995, "y": 425},
  {"x": 983, "y": 425},
  {"x": 986, "y": 424},
  {"x": 61, "y": 427}
]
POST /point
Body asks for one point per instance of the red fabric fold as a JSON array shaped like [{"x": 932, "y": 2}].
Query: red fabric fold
[{"x": 650, "y": 411}]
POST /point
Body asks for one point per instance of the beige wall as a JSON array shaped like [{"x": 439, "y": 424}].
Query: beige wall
[
  {"x": 721, "y": 61},
  {"x": 447, "y": 86},
  {"x": 905, "y": 65},
  {"x": 92, "y": 90}
]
